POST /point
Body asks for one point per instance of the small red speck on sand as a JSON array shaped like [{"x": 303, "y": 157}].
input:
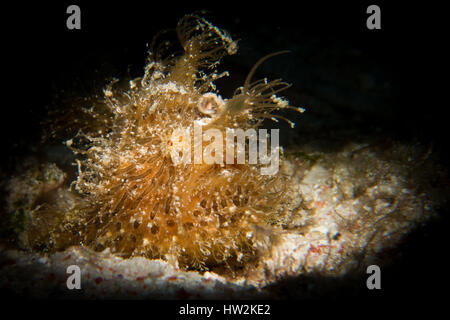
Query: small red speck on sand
[
  {"x": 98, "y": 280},
  {"x": 172, "y": 278},
  {"x": 319, "y": 204},
  {"x": 320, "y": 248},
  {"x": 315, "y": 249},
  {"x": 182, "y": 294}
]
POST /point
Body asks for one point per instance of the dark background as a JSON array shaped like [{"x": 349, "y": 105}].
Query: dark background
[
  {"x": 388, "y": 79},
  {"x": 353, "y": 81}
]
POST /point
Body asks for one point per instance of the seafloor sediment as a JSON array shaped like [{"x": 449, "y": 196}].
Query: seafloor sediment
[{"x": 345, "y": 208}]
